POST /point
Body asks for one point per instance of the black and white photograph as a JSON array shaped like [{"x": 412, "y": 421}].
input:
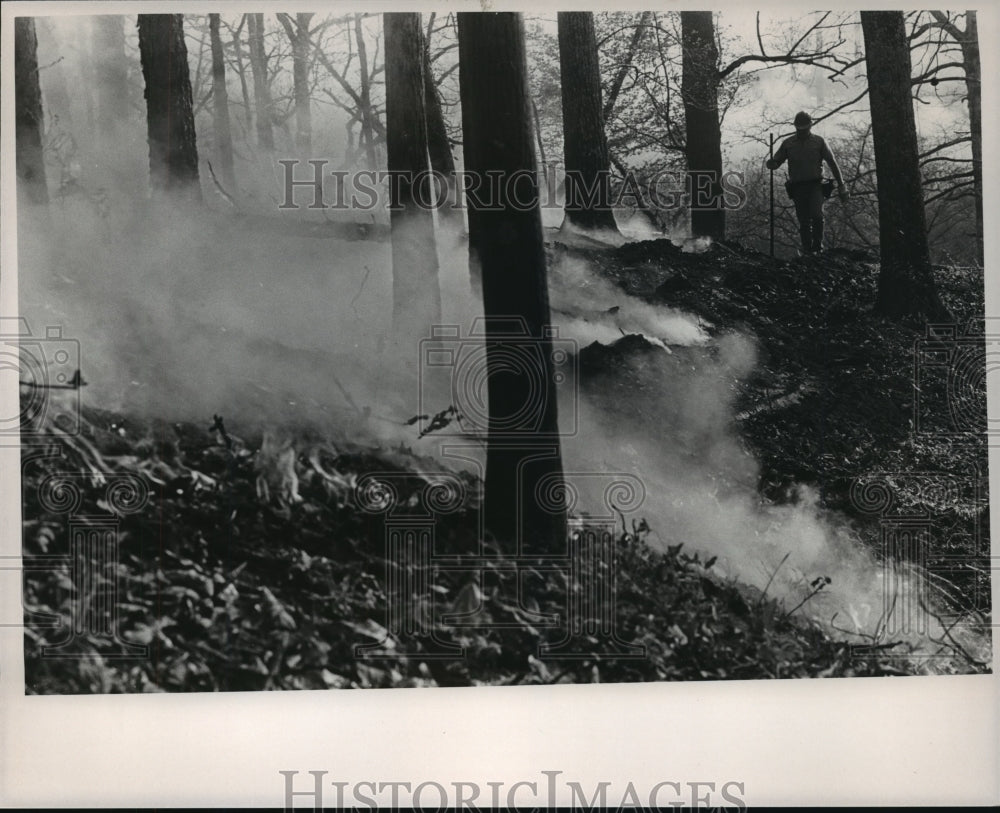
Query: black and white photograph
[{"x": 450, "y": 346}]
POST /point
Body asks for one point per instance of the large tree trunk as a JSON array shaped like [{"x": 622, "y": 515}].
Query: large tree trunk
[
  {"x": 261, "y": 88},
  {"x": 438, "y": 146},
  {"x": 173, "y": 152},
  {"x": 32, "y": 186},
  {"x": 588, "y": 187},
  {"x": 111, "y": 72},
  {"x": 523, "y": 450},
  {"x": 905, "y": 285},
  {"x": 416, "y": 296},
  {"x": 700, "y": 90},
  {"x": 220, "y": 106}
]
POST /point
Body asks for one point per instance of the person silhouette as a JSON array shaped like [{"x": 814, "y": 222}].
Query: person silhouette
[{"x": 805, "y": 152}]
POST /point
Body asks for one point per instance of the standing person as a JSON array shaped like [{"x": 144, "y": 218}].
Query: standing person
[{"x": 805, "y": 152}]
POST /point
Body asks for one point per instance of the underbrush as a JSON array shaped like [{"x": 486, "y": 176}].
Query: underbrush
[
  {"x": 841, "y": 398},
  {"x": 240, "y": 559},
  {"x": 226, "y": 587}
]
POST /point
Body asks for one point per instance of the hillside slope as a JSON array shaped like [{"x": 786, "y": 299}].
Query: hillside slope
[{"x": 250, "y": 565}]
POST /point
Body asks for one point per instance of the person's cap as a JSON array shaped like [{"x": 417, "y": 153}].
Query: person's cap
[{"x": 803, "y": 120}]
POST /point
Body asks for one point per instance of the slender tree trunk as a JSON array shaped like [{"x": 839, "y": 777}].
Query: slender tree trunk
[
  {"x": 297, "y": 31},
  {"x": 537, "y": 121},
  {"x": 365, "y": 94},
  {"x": 111, "y": 72},
  {"x": 623, "y": 69},
  {"x": 242, "y": 75},
  {"x": 820, "y": 82},
  {"x": 261, "y": 88},
  {"x": 968, "y": 42},
  {"x": 588, "y": 176},
  {"x": 906, "y": 285},
  {"x": 438, "y": 146},
  {"x": 523, "y": 450},
  {"x": 974, "y": 85},
  {"x": 173, "y": 152},
  {"x": 700, "y": 90},
  {"x": 32, "y": 187},
  {"x": 85, "y": 91},
  {"x": 220, "y": 106},
  {"x": 300, "y": 78},
  {"x": 415, "y": 293}
]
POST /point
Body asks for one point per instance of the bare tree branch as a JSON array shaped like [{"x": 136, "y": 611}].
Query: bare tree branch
[{"x": 626, "y": 65}]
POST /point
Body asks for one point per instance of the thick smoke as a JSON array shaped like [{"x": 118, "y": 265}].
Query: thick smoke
[
  {"x": 180, "y": 314},
  {"x": 182, "y": 317},
  {"x": 183, "y": 314},
  {"x": 666, "y": 415}
]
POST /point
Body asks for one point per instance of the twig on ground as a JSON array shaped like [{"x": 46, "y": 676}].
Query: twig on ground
[
  {"x": 951, "y": 643},
  {"x": 220, "y": 427},
  {"x": 347, "y": 396},
  {"x": 883, "y": 620},
  {"x": 219, "y": 187},
  {"x": 775, "y": 573},
  {"x": 819, "y": 585}
]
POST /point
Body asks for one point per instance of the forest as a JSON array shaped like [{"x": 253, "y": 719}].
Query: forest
[{"x": 418, "y": 349}]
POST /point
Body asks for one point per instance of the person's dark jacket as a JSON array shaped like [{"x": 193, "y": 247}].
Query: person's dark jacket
[{"x": 805, "y": 158}]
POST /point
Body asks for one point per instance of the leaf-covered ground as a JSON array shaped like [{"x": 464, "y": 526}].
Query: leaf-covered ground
[
  {"x": 251, "y": 567},
  {"x": 839, "y": 395}
]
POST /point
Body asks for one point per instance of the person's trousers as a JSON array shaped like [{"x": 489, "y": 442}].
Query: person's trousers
[{"x": 808, "y": 199}]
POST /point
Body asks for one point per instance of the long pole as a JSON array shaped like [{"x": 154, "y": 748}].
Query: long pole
[{"x": 771, "y": 156}]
